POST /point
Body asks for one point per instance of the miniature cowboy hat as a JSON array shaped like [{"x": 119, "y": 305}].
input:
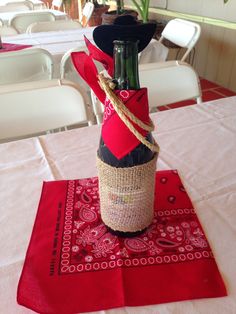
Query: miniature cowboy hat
[{"x": 125, "y": 27}]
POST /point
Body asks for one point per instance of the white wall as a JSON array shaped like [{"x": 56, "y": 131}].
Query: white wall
[
  {"x": 210, "y": 8},
  {"x": 215, "y": 56}
]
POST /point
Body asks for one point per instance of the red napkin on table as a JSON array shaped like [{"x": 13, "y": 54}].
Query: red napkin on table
[
  {"x": 74, "y": 265},
  {"x": 13, "y": 47}
]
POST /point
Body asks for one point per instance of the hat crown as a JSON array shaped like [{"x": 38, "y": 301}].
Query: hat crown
[
  {"x": 125, "y": 20},
  {"x": 125, "y": 28}
]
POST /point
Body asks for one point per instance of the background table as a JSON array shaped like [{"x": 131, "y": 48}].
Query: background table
[
  {"x": 197, "y": 140},
  {"x": 7, "y": 16},
  {"x": 59, "y": 42},
  {"x": 56, "y": 42}
]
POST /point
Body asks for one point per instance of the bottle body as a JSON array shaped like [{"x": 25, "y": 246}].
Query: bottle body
[{"x": 126, "y": 78}]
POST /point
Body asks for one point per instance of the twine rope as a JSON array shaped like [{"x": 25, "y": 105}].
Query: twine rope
[{"x": 125, "y": 115}]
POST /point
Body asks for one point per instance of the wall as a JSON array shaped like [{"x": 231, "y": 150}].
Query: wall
[{"x": 215, "y": 53}]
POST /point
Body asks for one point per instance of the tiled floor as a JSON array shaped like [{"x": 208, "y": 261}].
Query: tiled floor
[{"x": 210, "y": 91}]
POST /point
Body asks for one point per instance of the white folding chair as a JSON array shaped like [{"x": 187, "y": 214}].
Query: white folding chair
[
  {"x": 58, "y": 25},
  {"x": 39, "y": 5},
  {"x": 182, "y": 33},
  {"x": 154, "y": 52},
  {"x": 86, "y": 13},
  {"x": 167, "y": 82},
  {"x": 16, "y": 6},
  {"x": 25, "y": 65},
  {"x": 1, "y": 23},
  {"x": 21, "y": 21},
  {"x": 68, "y": 72},
  {"x": 7, "y": 31},
  {"x": 33, "y": 108},
  {"x": 56, "y": 4}
]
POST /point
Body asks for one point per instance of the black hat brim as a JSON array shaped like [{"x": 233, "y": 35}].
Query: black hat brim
[{"x": 104, "y": 35}]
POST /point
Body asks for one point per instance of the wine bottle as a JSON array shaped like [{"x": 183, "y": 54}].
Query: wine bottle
[{"x": 126, "y": 77}]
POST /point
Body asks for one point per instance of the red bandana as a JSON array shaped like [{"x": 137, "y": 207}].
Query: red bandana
[
  {"x": 115, "y": 133},
  {"x": 117, "y": 137},
  {"x": 73, "y": 264},
  {"x": 13, "y": 47}
]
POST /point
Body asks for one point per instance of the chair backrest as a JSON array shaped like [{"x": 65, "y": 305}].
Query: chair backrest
[
  {"x": 58, "y": 25},
  {"x": 25, "y": 65},
  {"x": 8, "y": 31},
  {"x": 21, "y": 21},
  {"x": 34, "y": 107},
  {"x": 68, "y": 72},
  {"x": 182, "y": 33},
  {"x": 154, "y": 52},
  {"x": 86, "y": 13},
  {"x": 57, "y": 4},
  {"x": 169, "y": 82},
  {"x": 17, "y": 6}
]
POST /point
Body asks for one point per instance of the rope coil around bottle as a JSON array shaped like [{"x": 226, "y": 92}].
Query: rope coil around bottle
[{"x": 124, "y": 114}]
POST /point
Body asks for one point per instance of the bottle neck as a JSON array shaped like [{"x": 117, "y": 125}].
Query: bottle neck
[
  {"x": 125, "y": 55},
  {"x": 120, "y": 6}
]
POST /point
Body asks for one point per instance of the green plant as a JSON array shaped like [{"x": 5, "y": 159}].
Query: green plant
[{"x": 142, "y": 7}]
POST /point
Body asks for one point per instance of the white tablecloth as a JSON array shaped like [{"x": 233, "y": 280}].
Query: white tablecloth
[
  {"x": 7, "y": 16},
  {"x": 56, "y": 42},
  {"x": 198, "y": 140},
  {"x": 59, "y": 42}
]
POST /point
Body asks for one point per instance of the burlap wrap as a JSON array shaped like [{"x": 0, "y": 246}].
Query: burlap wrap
[{"x": 127, "y": 195}]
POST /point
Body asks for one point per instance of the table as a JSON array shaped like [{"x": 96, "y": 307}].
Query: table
[
  {"x": 7, "y": 16},
  {"x": 59, "y": 42},
  {"x": 197, "y": 140},
  {"x": 56, "y": 42}
]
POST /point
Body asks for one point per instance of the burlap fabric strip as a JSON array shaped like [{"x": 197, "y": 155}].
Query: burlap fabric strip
[{"x": 127, "y": 194}]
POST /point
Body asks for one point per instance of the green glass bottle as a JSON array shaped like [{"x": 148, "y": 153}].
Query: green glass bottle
[{"x": 126, "y": 77}]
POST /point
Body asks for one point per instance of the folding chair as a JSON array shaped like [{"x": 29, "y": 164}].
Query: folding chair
[
  {"x": 56, "y": 4},
  {"x": 21, "y": 21},
  {"x": 33, "y": 108},
  {"x": 58, "y": 25},
  {"x": 7, "y": 31},
  {"x": 25, "y": 65},
  {"x": 182, "y": 33},
  {"x": 154, "y": 52},
  {"x": 86, "y": 13},
  {"x": 17, "y": 6},
  {"x": 167, "y": 82},
  {"x": 68, "y": 72}
]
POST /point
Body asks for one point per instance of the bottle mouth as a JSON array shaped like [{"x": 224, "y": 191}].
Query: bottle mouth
[{"x": 125, "y": 42}]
